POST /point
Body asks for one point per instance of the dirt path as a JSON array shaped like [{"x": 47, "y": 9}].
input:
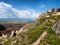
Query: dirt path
[{"x": 39, "y": 39}]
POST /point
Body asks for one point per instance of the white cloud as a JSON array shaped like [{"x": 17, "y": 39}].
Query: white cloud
[
  {"x": 26, "y": 13},
  {"x": 41, "y": 6},
  {"x": 7, "y": 11}
]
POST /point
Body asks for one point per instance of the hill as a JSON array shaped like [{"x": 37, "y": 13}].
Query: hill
[{"x": 45, "y": 22}]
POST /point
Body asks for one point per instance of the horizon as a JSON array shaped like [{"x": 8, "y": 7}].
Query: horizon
[{"x": 26, "y": 8}]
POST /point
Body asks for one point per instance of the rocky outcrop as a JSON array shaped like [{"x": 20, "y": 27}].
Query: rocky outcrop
[
  {"x": 56, "y": 27},
  {"x": 58, "y": 9}
]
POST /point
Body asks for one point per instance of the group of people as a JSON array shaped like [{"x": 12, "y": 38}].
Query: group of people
[{"x": 53, "y": 10}]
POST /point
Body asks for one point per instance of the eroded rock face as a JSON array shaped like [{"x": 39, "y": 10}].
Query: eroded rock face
[
  {"x": 58, "y": 9},
  {"x": 56, "y": 27},
  {"x": 2, "y": 27}
]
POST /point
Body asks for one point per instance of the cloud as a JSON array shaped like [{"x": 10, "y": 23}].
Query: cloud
[
  {"x": 42, "y": 6},
  {"x": 7, "y": 11}
]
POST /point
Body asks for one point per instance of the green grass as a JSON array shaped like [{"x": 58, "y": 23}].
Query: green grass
[
  {"x": 8, "y": 42},
  {"x": 51, "y": 38},
  {"x": 33, "y": 34}
]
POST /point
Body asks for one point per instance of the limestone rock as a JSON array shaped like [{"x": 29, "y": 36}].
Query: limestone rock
[{"x": 56, "y": 27}]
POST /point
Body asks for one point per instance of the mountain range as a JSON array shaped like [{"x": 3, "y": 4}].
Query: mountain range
[{"x": 17, "y": 19}]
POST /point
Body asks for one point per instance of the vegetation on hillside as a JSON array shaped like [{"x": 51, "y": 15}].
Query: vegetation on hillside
[
  {"x": 43, "y": 24},
  {"x": 51, "y": 38}
]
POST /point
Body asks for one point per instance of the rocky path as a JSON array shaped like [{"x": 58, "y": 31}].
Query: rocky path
[{"x": 39, "y": 39}]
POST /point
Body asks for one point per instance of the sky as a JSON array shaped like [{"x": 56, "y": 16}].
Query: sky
[{"x": 26, "y": 8}]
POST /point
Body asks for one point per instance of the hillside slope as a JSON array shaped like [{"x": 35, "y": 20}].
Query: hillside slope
[
  {"x": 43, "y": 23},
  {"x": 46, "y": 23}
]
